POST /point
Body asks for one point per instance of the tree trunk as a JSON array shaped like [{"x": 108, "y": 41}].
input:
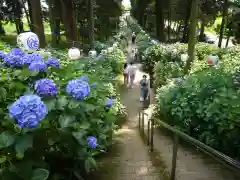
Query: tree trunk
[
  {"x": 19, "y": 25},
  {"x": 26, "y": 13},
  {"x": 37, "y": 21},
  {"x": 160, "y": 20},
  {"x": 91, "y": 23},
  {"x": 169, "y": 22},
  {"x": 2, "y": 30},
  {"x": 201, "y": 37},
  {"x": 55, "y": 20},
  {"x": 192, "y": 35},
  {"x": 69, "y": 20},
  {"x": 30, "y": 15},
  {"x": 186, "y": 21},
  {"x": 224, "y": 15}
]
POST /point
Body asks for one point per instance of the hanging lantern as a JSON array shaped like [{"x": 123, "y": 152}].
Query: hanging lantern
[
  {"x": 92, "y": 53},
  {"x": 184, "y": 57},
  {"x": 28, "y": 41},
  {"x": 104, "y": 52},
  {"x": 212, "y": 60},
  {"x": 110, "y": 49},
  {"x": 74, "y": 53}
]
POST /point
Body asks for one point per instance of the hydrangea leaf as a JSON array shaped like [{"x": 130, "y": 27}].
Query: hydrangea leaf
[
  {"x": 66, "y": 121},
  {"x": 40, "y": 174},
  {"x": 2, "y": 159},
  {"x": 6, "y": 140},
  {"x": 23, "y": 143}
]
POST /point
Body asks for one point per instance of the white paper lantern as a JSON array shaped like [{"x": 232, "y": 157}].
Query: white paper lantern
[
  {"x": 110, "y": 49},
  {"x": 92, "y": 53},
  {"x": 212, "y": 60},
  {"x": 74, "y": 53},
  {"x": 184, "y": 57},
  {"x": 28, "y": 41},
  {"x": 104, "y": 52}
]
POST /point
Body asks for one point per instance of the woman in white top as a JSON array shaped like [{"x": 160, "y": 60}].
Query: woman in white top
[
  {"x": 125, "y": 74},
  {"x": 132, "y": 69}
]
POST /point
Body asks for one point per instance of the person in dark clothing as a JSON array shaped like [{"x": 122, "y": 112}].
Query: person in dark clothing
[
  {"x": 144, "y": 90},
  {"x": 133, "y": 37}
]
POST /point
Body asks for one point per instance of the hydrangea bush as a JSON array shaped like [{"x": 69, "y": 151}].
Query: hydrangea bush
[
  {"x": 204, "y": 103},
  {"x": 56, "y": 114}
]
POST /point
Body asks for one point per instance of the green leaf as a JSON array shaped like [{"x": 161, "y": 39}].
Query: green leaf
[
  {"x": 3, "y": 93},
  {"x": 51, "y": 104},
  {"x": 6, "y": 140},
  {"x": 40, "y": 174},
  {"x": 90, "y": 163},
  {"x": 23, "y": 143},
  {"x": 66, "y": 121},
  {"x": 79, "y": 136},
  {"x": 62, "y": 102},
  {"x": 85, "y": 125},
  {"x": 73, "y": 104},
  {"x": 2, "y": 159}
]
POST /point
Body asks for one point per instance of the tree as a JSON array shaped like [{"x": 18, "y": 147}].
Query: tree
[
  {"x": 192, "y": 35},
  {"x": 159, "y": 20},
  {"x": 36, "y": 15}
]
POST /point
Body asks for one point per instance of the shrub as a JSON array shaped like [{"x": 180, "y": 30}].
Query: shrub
[
  {"x": 205, "y": 105},
  {"x": 57, "y": 119}
]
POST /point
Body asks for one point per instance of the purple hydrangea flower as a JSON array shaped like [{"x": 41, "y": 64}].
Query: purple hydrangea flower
[
  {"x": 13, "y": 60},
  {"x": 53, "y": 62},
  {"x": 46, "y": 87},
  {"x": 37, "y": 66},
  {"x": 78, "y": 89},
  {"x": 31, "y": 58},
  {"x": 17, "y": 52},
  {"x": 92, "y": 142},
  {"x": 28, "y": 111},
  {"x": 109, "y": 102}
]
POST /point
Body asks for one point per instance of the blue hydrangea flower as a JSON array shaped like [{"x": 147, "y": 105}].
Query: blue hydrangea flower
[
  {"x": 13, "y": 60},
  {"x": 17, "y": 52},
  {"x": 38, "y": 66},
  {"x": 109, "y": 102},
  {"x": 92, "y": 142},
  {"x": 2, "y": 54},
  {"x": 46, "y": 87},
  {"x": 78, "y": 89},
  {"x": 28, "y": 111},
  {"x": 84, "y": 78},
  {"x": 30, "y": 58},
  {"x": 53, "y": 62}
]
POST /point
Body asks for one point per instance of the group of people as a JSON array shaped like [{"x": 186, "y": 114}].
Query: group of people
[
  {"x": 129, "y": 78},
  {"x": 129, "y": 74}
]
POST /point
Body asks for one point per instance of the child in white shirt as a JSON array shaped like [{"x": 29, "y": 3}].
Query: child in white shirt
[
  {"x": 132, "y": 69},
  {"x": 125, "y": 74}
]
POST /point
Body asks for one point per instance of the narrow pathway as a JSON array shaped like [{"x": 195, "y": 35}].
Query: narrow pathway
[{"x": 129, "y": 159}]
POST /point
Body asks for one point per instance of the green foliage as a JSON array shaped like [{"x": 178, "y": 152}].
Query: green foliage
[
  {"x": 206, "y": 104},
  {"x": 58, "y": 146}
]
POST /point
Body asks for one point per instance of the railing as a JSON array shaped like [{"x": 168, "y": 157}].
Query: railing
[
  {"x": 150, "y": 128},
  {"x": 222, "y": 158}
]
